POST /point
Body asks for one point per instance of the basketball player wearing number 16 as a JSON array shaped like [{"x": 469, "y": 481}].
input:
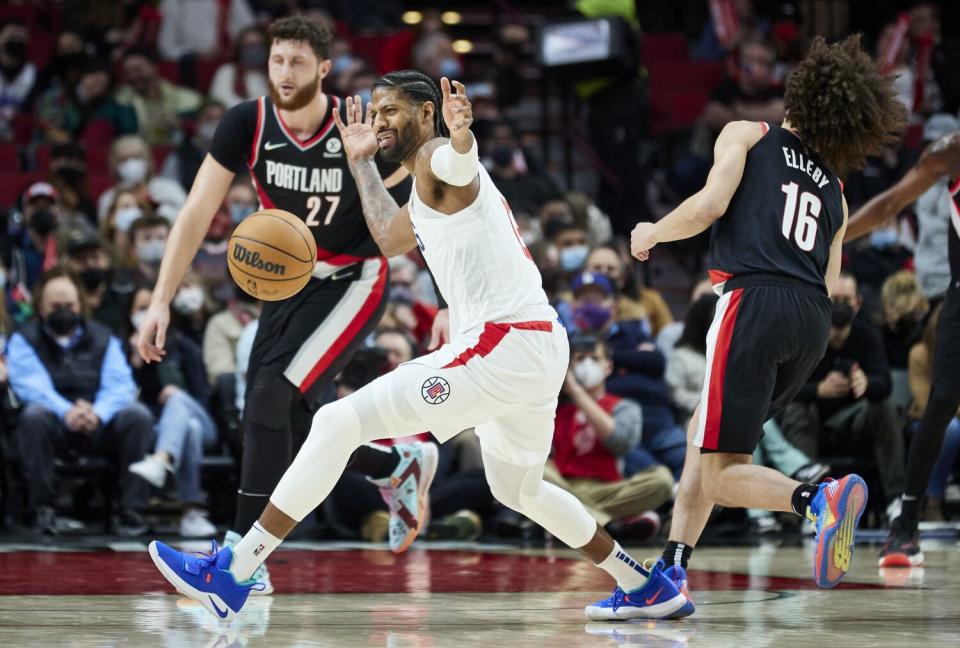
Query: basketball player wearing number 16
[
  {"x": 289, "y": 143},
  {"x": 500, "y": 373},
  {"x": 777, "y": 212}
]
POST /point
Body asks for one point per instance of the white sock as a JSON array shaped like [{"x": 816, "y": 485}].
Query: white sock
[
  {"x": 628, "y": 573},
  {"x": 251, "y": 551}
]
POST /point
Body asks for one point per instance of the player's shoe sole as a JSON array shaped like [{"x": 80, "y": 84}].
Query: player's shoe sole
[
  {"x": 429, "y": 458},
  {"x": 218, "y": 607},
  {"x": 835, "y": 543}
]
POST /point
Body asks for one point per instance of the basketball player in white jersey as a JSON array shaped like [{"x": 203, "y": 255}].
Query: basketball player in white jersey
[{"x": 500, "y": 372}]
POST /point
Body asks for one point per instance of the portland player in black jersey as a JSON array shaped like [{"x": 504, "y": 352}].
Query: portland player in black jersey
[
  {"x": 777, "y": 212},
  {"x": 289, "y": 143},
  {"x": 940, "y": 161}
]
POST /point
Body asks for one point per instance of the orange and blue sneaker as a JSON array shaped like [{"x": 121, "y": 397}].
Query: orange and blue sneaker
[
  {"x": 206, "y": 578},
  {"x": 659, "y": 598},
  {"x": 836, "y": 511},
  {"x": 678, "y": 575},
  {"x": 406, "y": 492}
]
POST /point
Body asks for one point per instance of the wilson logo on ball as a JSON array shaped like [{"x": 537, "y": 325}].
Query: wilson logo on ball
[{"x": 252, "y": 259}]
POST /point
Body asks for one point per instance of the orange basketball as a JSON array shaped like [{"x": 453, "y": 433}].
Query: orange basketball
[{"x": 271, "y": 254}]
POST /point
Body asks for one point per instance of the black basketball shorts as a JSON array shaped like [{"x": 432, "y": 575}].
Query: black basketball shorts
[
  {"x": 311, "y": 336},
  {"x": 946, "y": 356},
  {"x": 767, "y": 336}
]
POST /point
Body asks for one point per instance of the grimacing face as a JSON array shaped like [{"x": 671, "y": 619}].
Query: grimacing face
[{"x": 400, "y": 125}]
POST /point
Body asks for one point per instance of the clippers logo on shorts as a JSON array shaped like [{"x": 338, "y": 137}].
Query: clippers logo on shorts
[
  {"x": 435, "y": 390},
  {"x": 252, "y": 259}
]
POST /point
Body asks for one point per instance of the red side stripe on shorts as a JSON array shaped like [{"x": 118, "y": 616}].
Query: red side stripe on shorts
[
  {"x": 711, "y": 431},
  {"x": 362, "y": 317},
  {"x": 491, "y": 336},
  {"x": 718, "y": 276}
]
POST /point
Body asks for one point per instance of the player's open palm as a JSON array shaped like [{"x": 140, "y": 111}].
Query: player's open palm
[
  {"x": 359, "y": 140},
  {"x": 457, "y": 111}
]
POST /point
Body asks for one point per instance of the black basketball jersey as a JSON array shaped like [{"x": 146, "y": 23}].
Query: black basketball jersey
[
  {"x": 954, "y": 245},
  {"x": 309, "y": 178},
  {"x": 784, "y": 215}
]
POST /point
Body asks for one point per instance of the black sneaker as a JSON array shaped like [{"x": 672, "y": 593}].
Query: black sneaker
[
  {"x": 902, "y": 548},
  {"x": 131, "y": 524}
]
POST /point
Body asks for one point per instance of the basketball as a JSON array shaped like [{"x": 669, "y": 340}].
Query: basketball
[{"x": 271, "y": 254}]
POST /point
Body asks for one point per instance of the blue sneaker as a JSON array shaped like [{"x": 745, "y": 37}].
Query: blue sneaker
[
  {"x": 406, "y": 492},
  {"x": 204, "y": 578},
  {"x": 659, "y": 598},
  {"x": 678, "y": 575},
  {"x": 836, "y": 511}
]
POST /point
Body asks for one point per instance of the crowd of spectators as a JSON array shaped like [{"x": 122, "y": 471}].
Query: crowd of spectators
[{"x": 110, "y": 125}]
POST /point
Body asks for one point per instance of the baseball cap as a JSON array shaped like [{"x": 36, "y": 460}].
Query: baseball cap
[
  {"x": 82, "y": 239},
  {"x": 40, "y": 190},
  {"x": 601, "y": 281}
]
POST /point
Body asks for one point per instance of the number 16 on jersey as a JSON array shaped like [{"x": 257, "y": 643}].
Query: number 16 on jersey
[{"x": 800, "y": 221}]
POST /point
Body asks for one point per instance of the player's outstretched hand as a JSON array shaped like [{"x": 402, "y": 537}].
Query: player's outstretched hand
[
  {"x": 359, "y": 140},
  {"x": 642, "y": 240},
  {"x": 153, "y": 333},
  {"x": 457, "y": 111}
]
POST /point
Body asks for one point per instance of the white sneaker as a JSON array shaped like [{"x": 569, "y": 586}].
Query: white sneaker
[
  {"x": 194, "y": 524},
  {"x": 262, "y": 576},
  {"x": 153, "y": 469}
]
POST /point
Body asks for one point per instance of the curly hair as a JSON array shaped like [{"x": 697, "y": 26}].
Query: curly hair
[
  {"x": 842, "y": 106},
  {"x": 304, "y": 30}
]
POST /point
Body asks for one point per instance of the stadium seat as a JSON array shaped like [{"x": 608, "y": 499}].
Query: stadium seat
[
  {"x": 663, "y": 47},
  {"x": 99, "y": 184},
  {"x": 12, "y": 186},
  {"x": 9, "y": 158}
]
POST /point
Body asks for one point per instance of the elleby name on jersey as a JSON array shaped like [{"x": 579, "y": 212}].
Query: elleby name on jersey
[
  {"x": 795, "y": 160},
  {"x": 306, "y": 180}
]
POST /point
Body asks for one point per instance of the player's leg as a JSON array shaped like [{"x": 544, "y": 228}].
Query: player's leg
[
  {"x": 902, "y": 548},
  {"x": 515, "y": 447}
]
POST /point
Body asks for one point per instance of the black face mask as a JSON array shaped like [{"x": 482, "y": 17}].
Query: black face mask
[
  {"x": 906, "y": 326},
  {"x": 93, "y": 278},
  {"x": 17, "y": 50},
  {"x": 502, "y": 156},
  {"x": 43, "y": 222},
  {"x": 71, "y": 176},
  {"x": 841, "y": 314},
  {"x": 62, "y": 321}
]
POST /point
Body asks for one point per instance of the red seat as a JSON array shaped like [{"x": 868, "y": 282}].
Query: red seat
[
  {"x": 160, "y": 154},
  {"x": 12, "y": 186},
  {"x": 663, "y": 47},
  {"x": 98, "y": 161},
  {"x": 43, "y": 158},
  {"x": 679, "y": 75},
  {"x": 169, "y": 70},
  {"x": 99, "y": 184},
  {"x": 205, "y": 71},
  {"x": 686, "y": 106},
  {"x": 9, "y": 158}
]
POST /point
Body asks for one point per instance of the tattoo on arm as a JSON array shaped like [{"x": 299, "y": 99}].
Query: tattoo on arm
[{"x": 379, "y": 207}]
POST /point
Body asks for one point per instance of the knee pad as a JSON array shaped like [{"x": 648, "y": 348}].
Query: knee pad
[
  {"x": 269, "y": 400},
  {"x": 511, "y": 484}
]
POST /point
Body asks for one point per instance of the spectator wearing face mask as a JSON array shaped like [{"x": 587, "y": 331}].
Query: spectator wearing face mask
[
  {"x": 160, "y": 105},
  {"x": 524, "y": 188},
  {"x": 33, "y": 236},
  {"x": 633, "y": 301},
  {"x": 131, "y": 163},
  {"x": 245, "y": 77},
  {"x": 65, "y": 66},
  {"x": 148, "y": 239},
  {"x": 189, "y": 307},
  {"x": 17, "y": 74},
  {"x": 571, "y": 243},
  {"x": 398, "y": 346},
  {"x": 241, "y": 201},
  {"x": 126, "y": 208},
  {"x": 416, "y": 314},
  {"x": 182, "y": 164},
  {"x": 87, "y": 257},
  {"x": 176, "y": 391},
  {"x": 594, "y": 431},
  {"x": 86, "y": 112},
  {"x": 210, "y": 264},
  {"x": 68, "y": 174},
  {"x": 79, "y": 397},
  {"x": 904, "y": 310}
]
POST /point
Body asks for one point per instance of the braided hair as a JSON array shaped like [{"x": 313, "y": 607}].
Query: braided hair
[{"x": 419, "y": 88}]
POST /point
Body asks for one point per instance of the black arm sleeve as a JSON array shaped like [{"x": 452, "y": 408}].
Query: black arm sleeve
[{"x": 234, "y": 136}]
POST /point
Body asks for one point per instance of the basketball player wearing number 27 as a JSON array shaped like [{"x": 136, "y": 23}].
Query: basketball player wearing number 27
[
  {"x": 289, "y": 144},
  {"x": 777, "y": 212},
  {"x": 500, "y": 373}
]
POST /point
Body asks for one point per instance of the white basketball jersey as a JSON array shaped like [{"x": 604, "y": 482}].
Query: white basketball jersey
[{"x": 479, "y": 261}]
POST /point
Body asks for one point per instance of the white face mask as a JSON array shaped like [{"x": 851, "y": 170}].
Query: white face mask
[
  {"x": 589, "y": 373},
  {"x": 137, "y": 319},
  {"x": 124, "y": 218},
  {"x": 189, "y": 300},
  {"x": 151, "y": 251},
  {"x": 132, "y": 170}
]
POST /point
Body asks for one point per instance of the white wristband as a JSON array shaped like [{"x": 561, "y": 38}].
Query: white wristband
[{"x": 458, "y": 169}]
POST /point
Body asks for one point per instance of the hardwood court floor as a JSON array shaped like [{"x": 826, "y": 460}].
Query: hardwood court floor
[{"x": 467, "y": 595}]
